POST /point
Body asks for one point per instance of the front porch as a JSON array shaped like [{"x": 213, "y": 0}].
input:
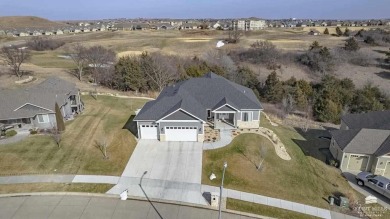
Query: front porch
[{"x": 223, "y": 120}]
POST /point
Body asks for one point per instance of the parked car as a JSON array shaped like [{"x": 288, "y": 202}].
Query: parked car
[{"x": 379, "y": 184}]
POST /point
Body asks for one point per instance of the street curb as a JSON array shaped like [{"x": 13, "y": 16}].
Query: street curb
[{"x": 99, "y": 195}]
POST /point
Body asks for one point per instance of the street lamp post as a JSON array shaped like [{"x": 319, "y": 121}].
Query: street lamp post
[{"x": 220, "y": 194}]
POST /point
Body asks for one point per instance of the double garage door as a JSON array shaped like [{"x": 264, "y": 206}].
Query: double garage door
[
  {"x": 181, "y": 133},
  {"x": 358, "y": 163},
  {"x": 172, "y": 133}
]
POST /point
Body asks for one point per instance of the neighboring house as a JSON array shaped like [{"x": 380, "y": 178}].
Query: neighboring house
[
  {"x": 363, "y": 142},
  {"x": 314, "y": 32},
  {"x": 182, "y": 111},
  {"x": 35, "y": 106}
]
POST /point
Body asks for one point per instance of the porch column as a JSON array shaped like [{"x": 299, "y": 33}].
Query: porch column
[{"x": 215, "y": 120}]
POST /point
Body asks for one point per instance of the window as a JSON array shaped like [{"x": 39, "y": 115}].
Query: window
[
  {"x": 43, "y": 118},
  {"x": 380, "y": 184},
  {"x": 245, "y": 117},
  {"x": 208, "y": 113},
  {"x": 373, "y": 181}
]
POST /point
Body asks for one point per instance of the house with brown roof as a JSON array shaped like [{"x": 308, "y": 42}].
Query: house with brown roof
[
  {"x": 363, "y": 143},
  {"x": 34, "y": 107}
]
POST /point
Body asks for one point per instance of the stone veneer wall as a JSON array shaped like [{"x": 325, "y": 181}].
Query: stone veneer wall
[
  {"x": 200, "y": 137},
  {"x": 251, "y": 124}
]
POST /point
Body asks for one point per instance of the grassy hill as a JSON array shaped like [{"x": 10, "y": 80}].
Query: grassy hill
[{"x": 27, "y": 22}]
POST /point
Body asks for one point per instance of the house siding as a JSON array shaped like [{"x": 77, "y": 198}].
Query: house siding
[
  {"x": 49, "y": 125},
  {"x": 335, "y": 150},
  {"x": 380, "y": 167}
]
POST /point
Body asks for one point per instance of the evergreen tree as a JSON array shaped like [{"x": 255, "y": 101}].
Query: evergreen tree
[
  {"x": 347, "y": 32},
  {"x": 59, "y": 119},
  {"x": 128, "y": 75},
  {"x": 339, "y": 32},
  {"x": 351, "y": 45},
  {"x": 326, "y": 31},
  {"x": 315, "y": 45},
  {"x": 273, "y": 89}
]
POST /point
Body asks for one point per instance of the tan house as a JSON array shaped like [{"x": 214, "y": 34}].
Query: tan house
[{"x": 363, "y": 143}]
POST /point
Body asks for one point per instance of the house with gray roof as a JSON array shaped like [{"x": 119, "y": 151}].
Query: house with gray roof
[
  {"x": 35, "y": 106},
  {"x": 363, "y": 142},
  {"x": 183, "y": 110}
]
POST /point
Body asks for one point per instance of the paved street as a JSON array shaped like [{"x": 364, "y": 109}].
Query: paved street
[{"x": 67, "y": 207}]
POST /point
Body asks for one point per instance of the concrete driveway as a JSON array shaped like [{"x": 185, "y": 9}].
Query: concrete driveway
[
  {"x": 382, "y": 200},
  {"x": 172, "y": 161},
  {"x": 174, "y": 171}
]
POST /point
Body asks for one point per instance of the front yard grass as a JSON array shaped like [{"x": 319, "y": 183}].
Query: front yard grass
[
  {"x": 55, "y": 187},
  {"x": 102, "y": 119},
  {"x": 303, "y": 179},
  {"x": 243, "y": 206}
]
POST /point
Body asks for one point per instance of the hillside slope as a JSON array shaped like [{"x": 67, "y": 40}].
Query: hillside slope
[{"x": 27, "y": 22}]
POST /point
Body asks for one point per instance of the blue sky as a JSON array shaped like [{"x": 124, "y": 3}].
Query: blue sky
[{"x": 96, "y": 9}]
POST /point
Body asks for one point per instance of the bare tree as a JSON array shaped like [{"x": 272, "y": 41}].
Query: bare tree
[
  {"x": 262, "y": 156},
  {"x": 99, "y": 58},
  {"x": 234, "y": 35},
  {"x": 15, "y": 57},
  {"x": 102, "y": 145},
  {"x": 57, "y": 136},
  {"x": 308, "y": 118},
  {"x": 78, "y": 55},
  {"x": 288, "y": 104},
  {"x": 160, "y": 69}
]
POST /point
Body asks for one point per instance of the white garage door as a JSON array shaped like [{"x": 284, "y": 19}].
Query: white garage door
[
  {"x": 148, "y": 131},
  {"x": 358, "y": 163},
  {"x": 176, "y": 133}
]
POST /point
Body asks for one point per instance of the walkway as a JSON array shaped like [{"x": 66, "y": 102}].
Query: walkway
[
  {"x": 171, "y": 191},
  {"x": 18, "y": 137},
  {"x": 278, "y": 203},
  {"x": 225, "y": 139},
  {"x": 83, "y": 206}
]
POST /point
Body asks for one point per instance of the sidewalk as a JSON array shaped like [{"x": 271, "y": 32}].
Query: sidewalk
[
  {"x": 278, "y": 203},
  {"x": 59, "y": 179},
  {"x": 225, "y": 139}
]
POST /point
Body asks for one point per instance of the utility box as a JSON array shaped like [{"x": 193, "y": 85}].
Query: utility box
[
  {"x": 371, "y": 200},
  {"x": 343, "y": 202},
  {"x": 214, "y": 199}
]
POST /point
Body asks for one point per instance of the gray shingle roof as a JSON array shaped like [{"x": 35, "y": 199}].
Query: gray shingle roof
[
  {"x": 196, "y": 95},
  {"x": 43, "y": 95},
  {"x": 370, "y": 120},
  {"x": 363, "y": 141}
]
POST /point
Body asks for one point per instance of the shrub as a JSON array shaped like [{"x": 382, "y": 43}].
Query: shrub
[
  {"x": 351, "y": 44},
  {"x": 33, "y": 132},
  {"x": 10, "y": 133},
  {"x": 43, "y": 43}
]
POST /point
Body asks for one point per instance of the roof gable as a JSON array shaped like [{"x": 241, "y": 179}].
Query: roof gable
[
  {"x": 225, "y": 107},
  {"x": 180, "y": 115}
]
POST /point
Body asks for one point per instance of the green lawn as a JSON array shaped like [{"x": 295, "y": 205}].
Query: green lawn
[
  {"x": 102, "y": 119},
  {"x": 304, "y": 179},
  {"x": 55, "y": 187},
  {"x": 50, "y": 59},
  {"x": 264, "y": 210}
]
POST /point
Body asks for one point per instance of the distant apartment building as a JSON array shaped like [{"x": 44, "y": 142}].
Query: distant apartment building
[{"x": 250, "y": 24}]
